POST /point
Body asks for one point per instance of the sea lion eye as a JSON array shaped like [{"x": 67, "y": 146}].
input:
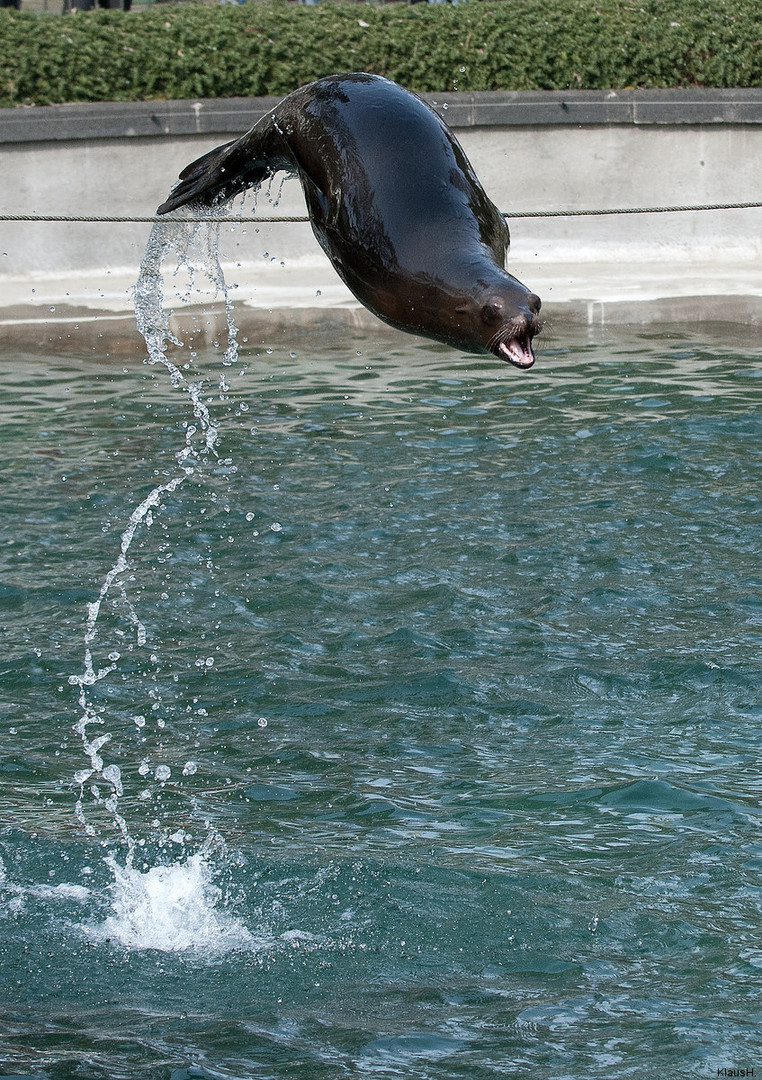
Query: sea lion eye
[{"x": 492, "y": 311}]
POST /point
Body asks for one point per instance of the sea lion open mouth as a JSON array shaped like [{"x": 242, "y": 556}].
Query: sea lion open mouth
[
  {"x": 513, "y": 341},
  {"x": 516, "y": 351}
]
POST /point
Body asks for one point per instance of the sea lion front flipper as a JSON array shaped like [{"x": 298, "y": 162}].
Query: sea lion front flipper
[{"x": 230, "y": 169}]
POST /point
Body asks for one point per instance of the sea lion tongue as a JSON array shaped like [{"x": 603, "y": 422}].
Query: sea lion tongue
[{"x": 516, "y": 352}]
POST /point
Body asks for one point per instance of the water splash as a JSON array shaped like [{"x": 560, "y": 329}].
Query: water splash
[
  {"x": 172, "y": 908},
  {"x": 196, "y": 245}
]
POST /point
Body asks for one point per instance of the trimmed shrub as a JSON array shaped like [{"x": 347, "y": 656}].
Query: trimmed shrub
[{"x": 271, "y": 48}]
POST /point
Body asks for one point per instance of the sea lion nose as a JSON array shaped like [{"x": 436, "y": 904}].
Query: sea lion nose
[{"x": 534, "y": 303}]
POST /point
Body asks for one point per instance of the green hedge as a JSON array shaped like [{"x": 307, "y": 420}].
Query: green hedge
[{"x": 271, "y": 48}]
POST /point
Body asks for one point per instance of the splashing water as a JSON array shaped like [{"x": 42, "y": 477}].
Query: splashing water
[
  {"x": 172, "y": 908},
  {"x": 195, "y": 244},
  {"x": 167, "y": 906}
]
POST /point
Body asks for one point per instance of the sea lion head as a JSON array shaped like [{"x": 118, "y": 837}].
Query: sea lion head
[
  {"x": 492, "y": 313},
  {"x": 504, "y": 319}
]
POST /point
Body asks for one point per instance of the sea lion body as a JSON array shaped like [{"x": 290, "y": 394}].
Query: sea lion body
[{"x": 394, "y": 203}]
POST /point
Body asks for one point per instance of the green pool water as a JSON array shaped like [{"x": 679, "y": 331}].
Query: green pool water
[{"x": 434, "y": 694}]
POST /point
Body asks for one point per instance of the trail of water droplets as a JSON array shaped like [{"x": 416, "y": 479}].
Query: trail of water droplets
[
  {"x": 176, "y": 903},
  {"x": 195, "y": 247}
]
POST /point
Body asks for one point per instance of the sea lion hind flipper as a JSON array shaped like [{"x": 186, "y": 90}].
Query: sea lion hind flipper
[{"x": 224, "y": 172}]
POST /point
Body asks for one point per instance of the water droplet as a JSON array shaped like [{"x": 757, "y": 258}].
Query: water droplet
[
  {"x": 276, "y": 526},
  {"x": 163, "y": 772},
  {"x": 262, "y": 722},
  {"x": 190, "y": 768},
  {"x": 113, "y": 774}
]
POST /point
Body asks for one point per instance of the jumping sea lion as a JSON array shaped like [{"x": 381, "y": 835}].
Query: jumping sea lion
[{"x": 393, "y": 202}]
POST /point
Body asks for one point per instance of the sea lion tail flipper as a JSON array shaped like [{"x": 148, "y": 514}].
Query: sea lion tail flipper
[{"x": 224, "y": 172}]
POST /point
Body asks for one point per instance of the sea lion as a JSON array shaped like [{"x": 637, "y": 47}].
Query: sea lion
[{"x": 393, "y": 202}]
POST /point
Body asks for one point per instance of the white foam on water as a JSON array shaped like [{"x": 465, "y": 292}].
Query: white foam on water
[
  {"x": 16, "y": 896},
  {"x": 64, "y": 891},
  {"x": 174, "y": 908}
]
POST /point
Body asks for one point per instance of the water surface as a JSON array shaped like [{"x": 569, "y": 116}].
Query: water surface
[{"x": 435, "y": 699}]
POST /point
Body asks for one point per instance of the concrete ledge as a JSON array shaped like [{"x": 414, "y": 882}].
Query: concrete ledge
[
  {"x": 131, "y": 119},
  {"x": 226, "y": 116},
  {"x": 591, "y": 107}
]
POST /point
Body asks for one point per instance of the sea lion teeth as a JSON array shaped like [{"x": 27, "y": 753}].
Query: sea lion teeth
[{"x": 517, "y": 353}]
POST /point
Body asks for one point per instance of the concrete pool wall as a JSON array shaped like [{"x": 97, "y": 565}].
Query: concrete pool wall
[{"x": 533, "y": 151}]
